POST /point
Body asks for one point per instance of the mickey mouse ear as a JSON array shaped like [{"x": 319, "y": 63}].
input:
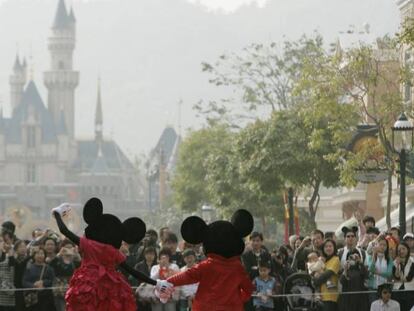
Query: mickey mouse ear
[
  {"x": 193, "y": 230},
  {"x": 344, "y": 230},
  {"x": 354, "y": 229},
  {"x": 133, "y": 230},
  {"x": 92, "y": 210},
  {"x": 243, "y": 221}
]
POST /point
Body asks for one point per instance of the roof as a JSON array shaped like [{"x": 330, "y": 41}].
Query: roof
[
  {"x": 62, "y": 19},
  {"x": 88, "y": 151},
  {"x": 17, "y": 65},
  {"x": 165, "y": 144},
  {"x": 100, "y": 166},
  {"x": 31, "y": 102}
]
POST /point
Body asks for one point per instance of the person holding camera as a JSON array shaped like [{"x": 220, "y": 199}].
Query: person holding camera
[
  {"x": 350, "y": 235},
  {"x": 403, "y": 273},
  {"x": 67, "y": 260},
  {"x": 353, "y": 280}
]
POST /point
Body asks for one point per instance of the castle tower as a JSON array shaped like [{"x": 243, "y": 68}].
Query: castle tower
[
  {"x": 99, "y": 117},
  {"x": 17, "y": 82},
  {"x": 61, "y": 80}
]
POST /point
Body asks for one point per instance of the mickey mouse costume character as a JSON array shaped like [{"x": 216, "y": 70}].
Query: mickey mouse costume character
[
  {"x": 223, "y": 282},
  {"x": 96, "y": 285}
]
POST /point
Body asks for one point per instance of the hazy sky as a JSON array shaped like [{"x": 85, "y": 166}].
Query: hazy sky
[
  {"x": 226, "y": 5},
  {"x": 148, "y": 52}
]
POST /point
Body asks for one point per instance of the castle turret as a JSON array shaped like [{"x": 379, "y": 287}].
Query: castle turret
[
  {"x": 17, "y": 82},
  {"x": 99, "y": 117},
  {"x": 61, "y": 80}
]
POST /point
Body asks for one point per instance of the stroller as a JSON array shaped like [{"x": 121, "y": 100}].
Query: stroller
[{"x": 300, "y": 285}]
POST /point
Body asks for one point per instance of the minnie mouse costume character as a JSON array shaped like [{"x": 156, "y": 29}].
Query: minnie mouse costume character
[
  {"x": 96, "y": 285},
  {"x": 223, "y": 282}
]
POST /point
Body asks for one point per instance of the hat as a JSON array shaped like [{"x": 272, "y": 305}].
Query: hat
[
  {"x": 408, "y": 236},
  {"x": 383, "y": 286},
  {"x": 8, "y": 227}
]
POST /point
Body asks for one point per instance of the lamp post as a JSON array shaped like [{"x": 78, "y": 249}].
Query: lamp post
[
  {"x": 207, "y": 213},
  {"x": 402, "y": 141}
]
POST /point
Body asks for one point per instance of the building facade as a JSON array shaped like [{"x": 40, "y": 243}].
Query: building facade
[{"x": 42, "y": 164}]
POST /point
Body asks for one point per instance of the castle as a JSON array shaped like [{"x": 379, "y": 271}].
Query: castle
[{"x": 42, "y": 164}]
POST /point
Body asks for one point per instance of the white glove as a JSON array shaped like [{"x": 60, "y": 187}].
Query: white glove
[
  {"x": 63, "y": 209},
  {"x": 163, "y": 290}
]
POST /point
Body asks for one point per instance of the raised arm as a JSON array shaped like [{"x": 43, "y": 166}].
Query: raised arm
[
  {"x": 136, "y": 274},
  {"x": 64, "y": 230}
]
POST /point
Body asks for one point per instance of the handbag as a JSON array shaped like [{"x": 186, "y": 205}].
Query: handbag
[
  {"x": 59, "y": 287},
  {"x": 32, "y": 297}
]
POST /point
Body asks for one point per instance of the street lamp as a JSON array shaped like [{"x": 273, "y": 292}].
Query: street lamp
[
  {"x": 207, "y": 212},
  {"x": 402, "y": 141}
]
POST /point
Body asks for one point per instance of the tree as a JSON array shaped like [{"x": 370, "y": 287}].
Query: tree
[
  {"x": 240, "y": 176},
  {"x": 189, "y": 181},
  {"x": 366, "y": 80},
  {"x": 262, "y": 78}
]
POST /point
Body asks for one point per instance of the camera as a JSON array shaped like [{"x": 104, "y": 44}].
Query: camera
[{"x": 353, "y": 260}]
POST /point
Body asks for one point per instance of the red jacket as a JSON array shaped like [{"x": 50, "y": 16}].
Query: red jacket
[{"x": 224, "y": 285}]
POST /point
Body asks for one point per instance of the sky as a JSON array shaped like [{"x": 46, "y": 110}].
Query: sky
[{"x": 148, "y": 53}]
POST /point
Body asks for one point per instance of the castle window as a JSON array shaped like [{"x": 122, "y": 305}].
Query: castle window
[
  {"x": 31, "y": 137},
  {"x": 31, "y": 173}
]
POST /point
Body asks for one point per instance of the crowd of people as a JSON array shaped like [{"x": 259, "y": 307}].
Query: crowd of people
[{"x": 364, "y": 270}]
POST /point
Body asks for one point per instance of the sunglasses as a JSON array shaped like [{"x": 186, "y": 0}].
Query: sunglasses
[{"x": 350, "y": 236}]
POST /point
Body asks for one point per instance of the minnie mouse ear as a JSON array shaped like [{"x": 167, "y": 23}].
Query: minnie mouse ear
[
  {"x": 92, "y": 210},
  {"x": 345, "y": 230},
  {"x": 193, "y": 230},
  {"x": 133, "y": 230},
  {"x": 243, "y": 221}
]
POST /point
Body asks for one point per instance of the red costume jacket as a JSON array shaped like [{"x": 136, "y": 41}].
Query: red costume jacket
[{"x": 224, "y": 285}]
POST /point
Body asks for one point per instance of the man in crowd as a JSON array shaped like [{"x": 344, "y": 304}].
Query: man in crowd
[
  {"x": 312, "y": 243},
  {"x": 252, "y": 257},
  {"x": 171, "y": 242},
  {"x": 350, "y": 245}
]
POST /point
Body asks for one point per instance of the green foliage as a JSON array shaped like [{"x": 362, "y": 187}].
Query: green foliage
[
  {"x": 261, "y": 76},
  {"x": 189, "y": 181},
  {"x": 310, "y": 101}
]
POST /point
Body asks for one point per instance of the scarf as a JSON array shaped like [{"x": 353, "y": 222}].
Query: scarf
[{"x": 381, "y": 265}]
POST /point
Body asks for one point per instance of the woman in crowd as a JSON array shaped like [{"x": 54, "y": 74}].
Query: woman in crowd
[
  {"x": 145, "y": 266},
  {"x": 51, "y": 248},
  {"x": 353, "y": 280},
  {"x": 162, "y": 271},
  {"x": 328, "y": 280},
  {"x": 40, "y": 275},
  {"x": 379, "y": 266},
  {"x": 403, "y": 272},
  {"x": 67, "y": 260}
]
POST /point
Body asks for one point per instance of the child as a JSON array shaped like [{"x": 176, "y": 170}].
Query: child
[
  {"x": 265, "y": 287},
  {"x": 315, "y": 265},
  {"x": 188, "y": 292}
]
